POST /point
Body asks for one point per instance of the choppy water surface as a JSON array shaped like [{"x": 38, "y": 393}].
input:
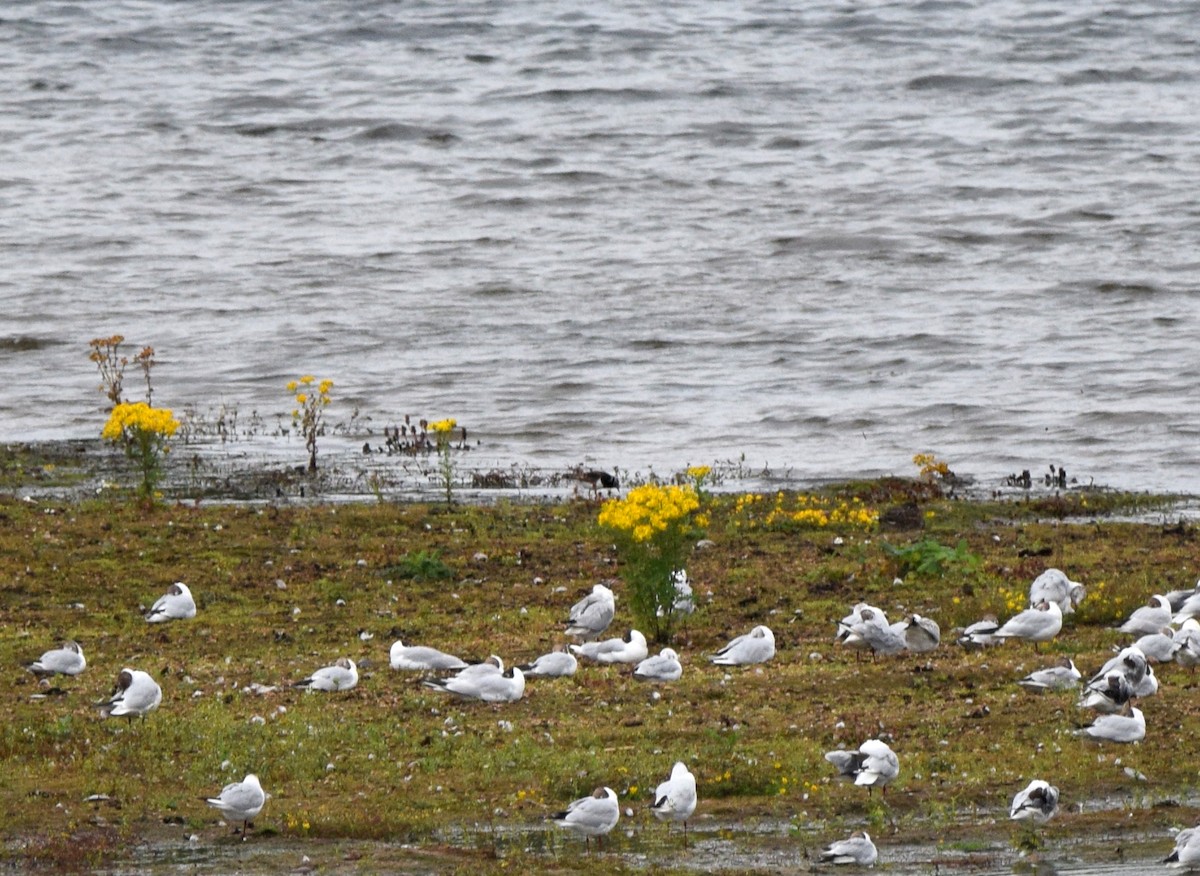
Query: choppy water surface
[{"x": 823, "y": 235}]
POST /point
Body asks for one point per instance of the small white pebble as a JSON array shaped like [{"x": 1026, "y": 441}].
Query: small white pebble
[
  {"x": 226, "y": 764},
  {"x": 360, "y": 562},
  {"x": 259, "y": 720},
  {"x": 296, "y": 611},
  {"x": 340, "y": 602}
]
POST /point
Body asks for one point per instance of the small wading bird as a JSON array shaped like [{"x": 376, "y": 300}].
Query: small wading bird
[
  {"x": 675, "y": 799},
  {"x": 598, "y": 480},
  {"x": 136, "y": 694},
  {"x": 176, "y": 604},
  {"x": 240, "y": 801},
  {"x": 592, "y": 816}
]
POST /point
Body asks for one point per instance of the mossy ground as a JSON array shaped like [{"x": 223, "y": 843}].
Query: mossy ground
[{"x": 283, "y": 589}]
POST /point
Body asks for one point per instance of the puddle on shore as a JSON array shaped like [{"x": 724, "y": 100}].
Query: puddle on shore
[{"x": 764, "y": 847}]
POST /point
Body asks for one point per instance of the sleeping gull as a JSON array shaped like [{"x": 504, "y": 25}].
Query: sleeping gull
[
  {"x": 858, "y": 849},
  {"x": 981, "y": 634},
  {"x": 675, "y": 799},
  {"x": 1054, "y": 586},
  {"x": 756, "y": 646},
  {"x": 555, "y": 664},
  {"x": 175, "y": 604},
  {"x": 592, "y": 816},
  {"x": 1188, "y": 637},
  {"x": 423, "y": 658},
  {"x": 1128, "y": 726},
  {"x": 873, "y": 765},
  {"x": 1061, "y": 676},
  {"x": 136, "y": 694},
  {"x": 342, "y": 675},
  {"x": 1159, "y": 647},
  {"x": 663, "y": 666},
  {"x": 1038, "y": 624},
  {"x": 631, "y": 649},
  {"x": 921, "y": 634},
  {"x": 67, "y": 660},
  {"x": 240, "y": 801},
  {"x": 1036, "y": 803},
  {"x": 1186, "y": 853},
  {"x": 590, "y": 616},
  {"x": 488, "y": 687},
  {"x": 1148, "y": 619}
]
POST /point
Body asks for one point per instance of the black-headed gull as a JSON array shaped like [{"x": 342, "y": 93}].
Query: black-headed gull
[
  {"x": 873, "y": 765},
  {"x": 921, "y": 634},
  {"x": 878, "y": 635},
  {"x": 663, "y": 666},
  {"x": 1159, "y": 647},
  {"x": 240, "y": 801},
  {"x": 66, "y": 660},
  {"x": 592, "y": 816},
  {"x": 488, "y": 687},
  {"x": 630, "y": 649},
  {"x": 176, "y": 604},
  {"x": 1037, "y": 803},
  {"x": 556, "y": 664},
  {"x": 1061, "y": 676},
  {"x": 1188, "y": 637},
  {"x": 1053, "y": 585},
  {"x": 1038, "y": 624},
  {"x": 342, "y": 675},
  {"x": 590, "y": 616},
  {"x": 685, "y": 600},
  {"x": 1108, "y": 695},
  {"x": 136, "y": 694},
  {"x": 845, "y": 634},
  {"x": 1131, "y": 663},
  {"x": 1150, "y": 618},
  {"x": 1186, "y": 854},
  {"x": 756, "y": 646},
  {"x": 675, "y": 799},
  {"x": 422, "y": 658},
  {"x": 1128, "y": 726},
  {"x": 857, "y": 850},
  {"x": 981, "y": 634}
]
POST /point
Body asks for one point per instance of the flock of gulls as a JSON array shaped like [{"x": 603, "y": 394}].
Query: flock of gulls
[{"x": 1167, "y": 629}]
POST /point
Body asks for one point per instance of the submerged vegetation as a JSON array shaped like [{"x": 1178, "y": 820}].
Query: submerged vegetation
[{"x": 283, "y": 589}]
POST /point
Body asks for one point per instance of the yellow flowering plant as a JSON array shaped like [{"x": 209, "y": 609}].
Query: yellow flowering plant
[
  {"x": 442, "y": 430},
  {"x": 653, "y": 529},
  {"x": 144, "y": 433},
  {"x": 311, "y": 397}
]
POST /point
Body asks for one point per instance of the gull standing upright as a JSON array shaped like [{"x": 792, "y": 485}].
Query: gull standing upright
[
  {"x": 756, "y": 646},
  {"x": 240, "y": 801},
  {"x": 1038, "y": 624},
  {"x": 66, "y": 660},
  {"x": 1186, "y": 854},
  {"x": 590, "y": 616},
  {"x": 592, "y": 816},
  {"x": 675, "y": 799},
  {"x": 176, "y": 604},
  {"x": 342, "y": 675},
  {"x": 136, "y": 694},
  {"x": 873, "y": 765}
]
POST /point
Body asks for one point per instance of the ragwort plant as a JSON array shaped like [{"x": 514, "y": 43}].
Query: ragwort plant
[
  {"x": 144, "y": 433},
  {"x": 653, "y": 528},
  {"x": 311, "y": 398}
]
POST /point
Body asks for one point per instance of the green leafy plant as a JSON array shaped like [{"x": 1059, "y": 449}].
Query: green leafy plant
[
  {"x": 422, "y": 566},
  {"x": 144, "y": 433},
  {"x": 930, "y": 558}
]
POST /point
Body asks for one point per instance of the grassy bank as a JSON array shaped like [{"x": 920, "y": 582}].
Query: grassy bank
[{"x": 285, "y": 589}]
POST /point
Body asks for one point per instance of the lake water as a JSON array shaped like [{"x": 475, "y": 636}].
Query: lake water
[{"x": 818, "y": 237}]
